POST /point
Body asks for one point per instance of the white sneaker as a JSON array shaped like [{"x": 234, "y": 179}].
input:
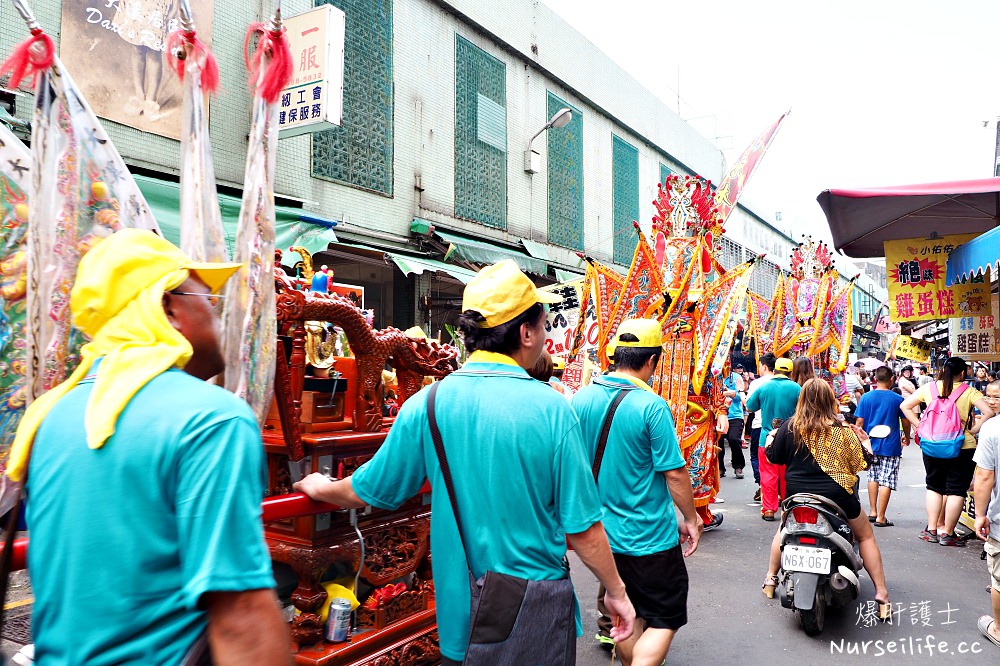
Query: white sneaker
[{"x": 25, "y": 656}]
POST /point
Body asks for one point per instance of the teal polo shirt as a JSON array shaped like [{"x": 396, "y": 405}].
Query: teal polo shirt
[
  {"x": 776, "y": 399},
  {"x": 522, "y": 481},
  {"x": 125, "y": 539},
  {"x": 736, "y": 406},
  {"x": 639, "y": 512}
]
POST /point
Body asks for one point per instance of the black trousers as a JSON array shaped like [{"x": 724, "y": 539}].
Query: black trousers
[
  {"x": 735, "y": 439},
  {"x": 754, "y": 450}
]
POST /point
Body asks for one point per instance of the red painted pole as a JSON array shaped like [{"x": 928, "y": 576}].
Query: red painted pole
[{"x": 273, "y": 508}]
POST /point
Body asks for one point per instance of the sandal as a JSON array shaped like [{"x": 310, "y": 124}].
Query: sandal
[
  {"x": 887, "y": 523},
  {"x": 770, "y": 582},
  {"x": 871, "y": 518},
  {"x": 884, "y": 610}
]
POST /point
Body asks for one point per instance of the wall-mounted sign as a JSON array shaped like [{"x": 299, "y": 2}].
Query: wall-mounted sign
[
  {"x": 314, "y": 98},
  {"x": 917, "y": 288},
  {"x": 976, "y": 338},
  {"x": 913, "y": 349}
]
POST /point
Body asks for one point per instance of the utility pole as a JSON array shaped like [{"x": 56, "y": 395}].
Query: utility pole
[{"x": 996, "y": 152}]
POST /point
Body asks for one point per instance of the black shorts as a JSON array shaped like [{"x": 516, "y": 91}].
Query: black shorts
[
  {"x": 950, "y": 476},
  {"x": 657, "y": 585}
]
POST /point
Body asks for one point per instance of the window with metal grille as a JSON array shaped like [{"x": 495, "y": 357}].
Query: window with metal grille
[
  {"x": 730, "y": 253},
  {"x": 565, "y": 176},
  {"x": 359, "y": 152},
  {"x": 764, "y": 279},
  {"x": 664, "y": 172},
  {"x": 625, "y": 187},
  {"x": 480, "y": 135}
]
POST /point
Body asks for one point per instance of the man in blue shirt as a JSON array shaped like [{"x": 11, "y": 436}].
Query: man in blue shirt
[
  {"x": 776, "y": 400},
  {"x": 522, "y": 481},
  {"x": 881, "y": 407},
  {"x": 733, "y": 390},
  {"x": 144, "y": 482},
  {"x": 642, "y": 475}
]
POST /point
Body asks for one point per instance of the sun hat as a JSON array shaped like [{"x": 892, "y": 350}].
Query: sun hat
[
  {"x": 125, "y": 263},
  {"x": 501, "y": 292}
]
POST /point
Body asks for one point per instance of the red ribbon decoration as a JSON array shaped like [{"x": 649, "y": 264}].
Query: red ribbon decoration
[
  {"x": 177, "y": 43},
  {"x": 279, "y": 68},
  {"x": 28, "y": 59}
]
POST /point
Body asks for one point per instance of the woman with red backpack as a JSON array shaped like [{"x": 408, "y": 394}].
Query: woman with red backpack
[{"x": 947, "y": 437}]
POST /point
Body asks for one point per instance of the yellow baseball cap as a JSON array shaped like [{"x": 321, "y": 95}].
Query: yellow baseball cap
[
  {"x": 648, "y": 331},
  {"x": 501, "y": 292},
  {"x": 415, "y": 332},
  {"x": 783, "y": 365},
  {"x": 128, "y": 261}
]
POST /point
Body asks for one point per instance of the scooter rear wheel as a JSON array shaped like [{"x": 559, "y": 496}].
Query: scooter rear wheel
[{"x": 812, "y": 620}]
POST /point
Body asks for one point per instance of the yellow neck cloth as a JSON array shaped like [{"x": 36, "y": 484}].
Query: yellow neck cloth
[{"x": 137, "y": 344}]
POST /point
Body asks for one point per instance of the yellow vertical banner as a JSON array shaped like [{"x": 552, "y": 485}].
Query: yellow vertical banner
[{"x": 916, "y": 269}]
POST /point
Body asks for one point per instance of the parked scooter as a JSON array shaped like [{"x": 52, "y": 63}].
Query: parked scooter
[{"x": 819, "y": 560}]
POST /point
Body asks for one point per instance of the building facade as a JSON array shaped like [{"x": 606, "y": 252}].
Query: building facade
[{"x": 429, "y": 175}]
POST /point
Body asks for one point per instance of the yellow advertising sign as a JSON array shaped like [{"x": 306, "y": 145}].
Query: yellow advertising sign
[
  {"x": 913, "y": 349},
  {"x": 916, "y": 270}
]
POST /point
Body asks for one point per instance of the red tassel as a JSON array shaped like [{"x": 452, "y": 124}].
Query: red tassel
[
  {"x": 280, "y": 67},
  {"x": 26, "y": 58},
  {"x": 177, "y": 43}
]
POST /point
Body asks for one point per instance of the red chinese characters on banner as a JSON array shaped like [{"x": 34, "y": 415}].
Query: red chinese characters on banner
[{"x": 917, "y": 289}]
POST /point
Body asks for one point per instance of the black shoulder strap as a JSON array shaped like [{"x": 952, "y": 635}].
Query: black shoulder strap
[
  {"x": 602, "y": 443},
  {"x": 443, "y": 461}
]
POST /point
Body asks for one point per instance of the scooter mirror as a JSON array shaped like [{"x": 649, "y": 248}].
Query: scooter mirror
[{"x": 880, "y": 431}]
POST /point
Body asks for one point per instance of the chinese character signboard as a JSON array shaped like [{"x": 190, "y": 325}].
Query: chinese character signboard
[
  {"x": 913, "y": 349},
  {"x": 977, "y": 338},
  {"x": 560, "y": 323},
  {"x": 917, "y": 289},
  {"x": 313, "y": 100}
]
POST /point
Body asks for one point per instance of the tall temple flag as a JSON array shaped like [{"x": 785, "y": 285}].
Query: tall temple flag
[
  {"x": 81, "y": 192},
  {"x": 15, "y": 179},
  {"x": 732, "y": 185},
  {"x": 202, "y": 234},
  {"x": 251, "y": 314},
  {"x": 716, "y": 328},
  {"x": 608, "y": 287},
  {"x": 642, "y": 293}
]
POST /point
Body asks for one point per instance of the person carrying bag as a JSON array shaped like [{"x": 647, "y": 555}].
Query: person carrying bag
[{"x": 514, "y": 620}]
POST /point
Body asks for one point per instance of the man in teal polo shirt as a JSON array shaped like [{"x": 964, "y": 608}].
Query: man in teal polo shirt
[
  {"x": 776, "y": 400},
  {"x": 642, "y": 476},
  {"x": 144, "y": 482},
  {"x": 513, "y": 444}
]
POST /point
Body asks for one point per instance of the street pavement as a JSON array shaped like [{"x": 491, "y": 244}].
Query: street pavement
[{"x": 939, "y": 593}]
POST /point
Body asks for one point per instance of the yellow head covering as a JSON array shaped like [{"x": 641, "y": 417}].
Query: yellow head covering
[{"x": 117, "y": 302}]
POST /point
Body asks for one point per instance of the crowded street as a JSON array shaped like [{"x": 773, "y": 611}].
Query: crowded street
[{"x": 479, "y": 333}]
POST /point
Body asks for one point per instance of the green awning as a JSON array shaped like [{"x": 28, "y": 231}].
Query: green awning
[
  {"x": 417, "y": 265},
  {"x": 484, "y": 252},
  {"x": 293, "y": 226},
  {"x": 537, "y": 250},
  {"x": 11, "y": 121},
  {"x": 567, "y": 276}
]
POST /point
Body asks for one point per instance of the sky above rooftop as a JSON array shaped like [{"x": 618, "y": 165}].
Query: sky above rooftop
[{"x": 881, "y": 93}]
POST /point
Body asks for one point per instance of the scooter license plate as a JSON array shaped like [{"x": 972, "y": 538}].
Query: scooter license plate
[{"x": 801, "y": 558}]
